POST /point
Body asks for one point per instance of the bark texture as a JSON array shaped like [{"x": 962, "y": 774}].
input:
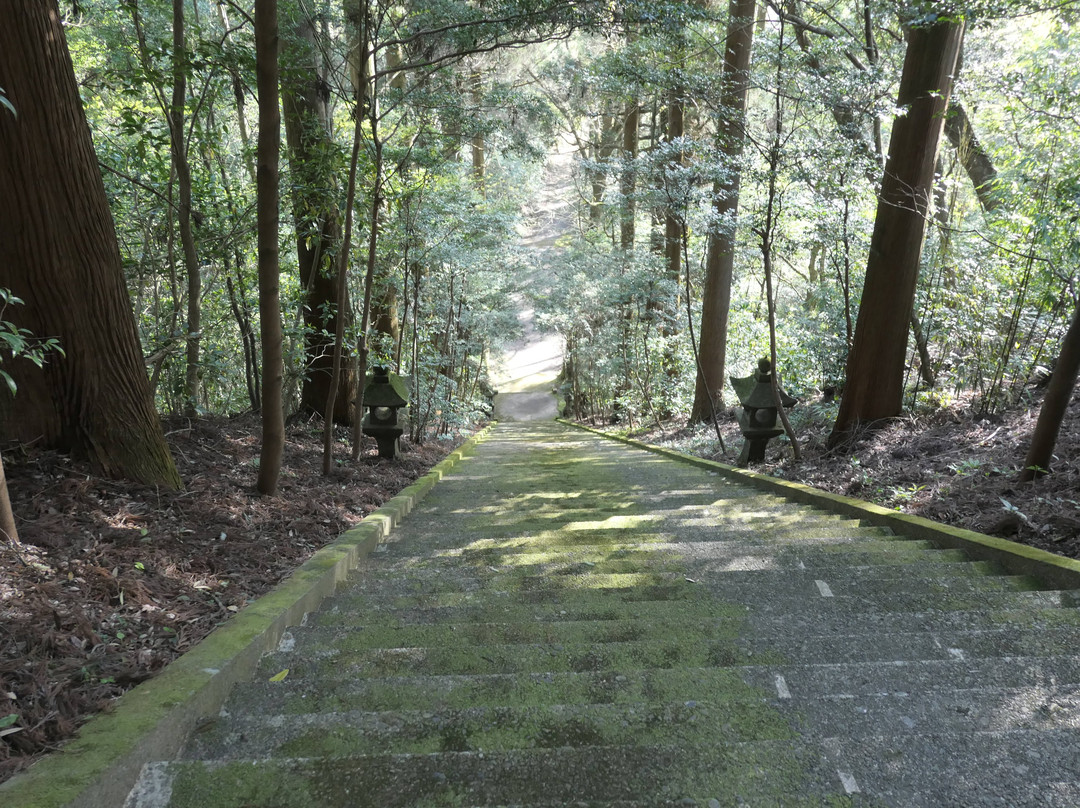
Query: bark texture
[
  {"x": 720, "y": 255},
  {"x": 58, "y": 252},
  {"x": 269, "y": 146},
  {"x": 875, "y": 369},
  {"x": 305, "y": 103}
]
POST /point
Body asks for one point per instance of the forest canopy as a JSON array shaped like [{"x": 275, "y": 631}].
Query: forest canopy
[{"x": 731, "y": 166}]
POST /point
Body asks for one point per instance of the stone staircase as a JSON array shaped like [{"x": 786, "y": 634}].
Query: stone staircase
[{"x": 570, "y": 621}]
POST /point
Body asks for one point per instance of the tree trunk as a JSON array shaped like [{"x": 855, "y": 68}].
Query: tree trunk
[
  {"x": 628, "y": 182},
  {"x": 305, "y": 104},
  {"x": 183, "y": 212},
  {"x": 973, "y": 157},
  {"x": 476, "y": 91},
  {"x": 58, "y": 252},
  {"x": 875, "y": 369},
  {"x": 720, "y": 255},
  {"x": 269, "y": 145},
  {"x": 1058, "y": 393},
  {"x": 8, "y": 530}
]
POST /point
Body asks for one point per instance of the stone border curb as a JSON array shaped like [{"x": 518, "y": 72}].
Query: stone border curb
[
  {"x": 1048, "y": 569},
  {"x": 151, "y": 722}
]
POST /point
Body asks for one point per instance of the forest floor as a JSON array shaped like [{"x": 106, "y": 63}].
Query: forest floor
[
  {"x": 949, "y": 465},
  {"x": 110, "y": 580}
]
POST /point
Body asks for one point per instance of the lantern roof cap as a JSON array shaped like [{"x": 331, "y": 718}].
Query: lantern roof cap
[
  {"x": 385, "y": 389},
  {"x": 755, "y": 390}
]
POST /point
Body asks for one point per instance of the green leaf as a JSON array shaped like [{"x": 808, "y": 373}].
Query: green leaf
[
  {"x": 8, "y": 720},
  {"x": 14, "y": 388}
]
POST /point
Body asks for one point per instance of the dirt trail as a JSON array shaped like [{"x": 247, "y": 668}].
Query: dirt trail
[{"x": 525, "y": 370}]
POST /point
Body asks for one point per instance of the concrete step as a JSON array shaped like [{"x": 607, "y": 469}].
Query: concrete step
[
  {"x": 995, "y": 768},
  {"x": 525, "y": 658},
  {"x": 690, "y": 601},
  {"x": 663, "y": 565},
  {"x": 766, "y": 773},
  {"x": 657, "y": 572},
  {"x": 589, "y": 534},
  {"x": 489, "y": 729},
  {"x": 726, "y": 554},
  {"x": 441, "y": 635},
  {"x": 1036, "y": 707},
  {"x": 789, "y": 593},
  {"x": 344, "y": 693},
  {"x": 299, "y": 696},
  {"x": 912, "y": 676},
  {"x": 315, "y": 651}
]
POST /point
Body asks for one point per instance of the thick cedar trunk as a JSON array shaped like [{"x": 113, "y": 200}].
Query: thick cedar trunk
[
  {"x": 269, "y": 144},
  {"x": 305, "y": 102},
  {"x": 58, "y": 252},
  {"x": 1058, "y": 393},
  {"x": 875, "y": 369},
  {"x": 720, "y": 255}
]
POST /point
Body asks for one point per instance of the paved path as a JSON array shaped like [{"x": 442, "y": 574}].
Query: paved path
[
  {"x": 525, "y": 371},
  {"x": 568, "y": 621}
]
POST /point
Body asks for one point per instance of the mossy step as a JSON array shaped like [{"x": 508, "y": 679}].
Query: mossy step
[
  {"x": 885, "y": 552},
  {"x": 441, "y": 634},
  {"x": 603, "y": 604},
  {"x": 800, "y": 648},
  {"x": 1036, "y": 707},
  {"x": 702, "y": 645},
  {"x": 586, "y": 576},
  {"x": 667, "y": 567},
  {"x": 790, "y": 590},
  {"x": 972, "y": 769},
  {"x": 765, "y": 773},
  {"x": 868, "y": 622},
  {"x": 678, "y": 651},
  {"x": 588, "y": 534},
  {"x": 489, "y": 729},
  {"x": 1019, "y": 610},
  {"x": 911, "y": 676},
  {"x": 346, "y": 611},
  {"x": 825, "y": 595},
  {"x": 638, "y": 589},
  {"x": 343, "y": 693}
]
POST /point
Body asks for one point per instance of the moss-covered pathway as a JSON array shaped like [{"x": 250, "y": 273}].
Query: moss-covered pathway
[{"x": 566, "y": 620}]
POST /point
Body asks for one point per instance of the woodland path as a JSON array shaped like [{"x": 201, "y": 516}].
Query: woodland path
[
  {"x": 527, "y": 368},
  {"x": 568, "y": 620}
]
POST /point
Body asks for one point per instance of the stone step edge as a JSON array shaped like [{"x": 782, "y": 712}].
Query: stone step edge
[
  {"x": 752, "y": 695},
  {"x": 828, "y": 745},
  {"x": 1052, "y": 570},
  {"x": 152, "y": 721},
  {"x": 764, "y": 671}
]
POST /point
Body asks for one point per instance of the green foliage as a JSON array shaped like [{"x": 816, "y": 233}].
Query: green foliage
[
  {"x": 20, "y": 343},
  {"x": 994, "y": 293}
]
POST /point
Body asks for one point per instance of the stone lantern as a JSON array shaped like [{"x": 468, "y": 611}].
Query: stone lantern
[
  {"x": 759, "y": 416},
  {"x": 384, "y": 395}
]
